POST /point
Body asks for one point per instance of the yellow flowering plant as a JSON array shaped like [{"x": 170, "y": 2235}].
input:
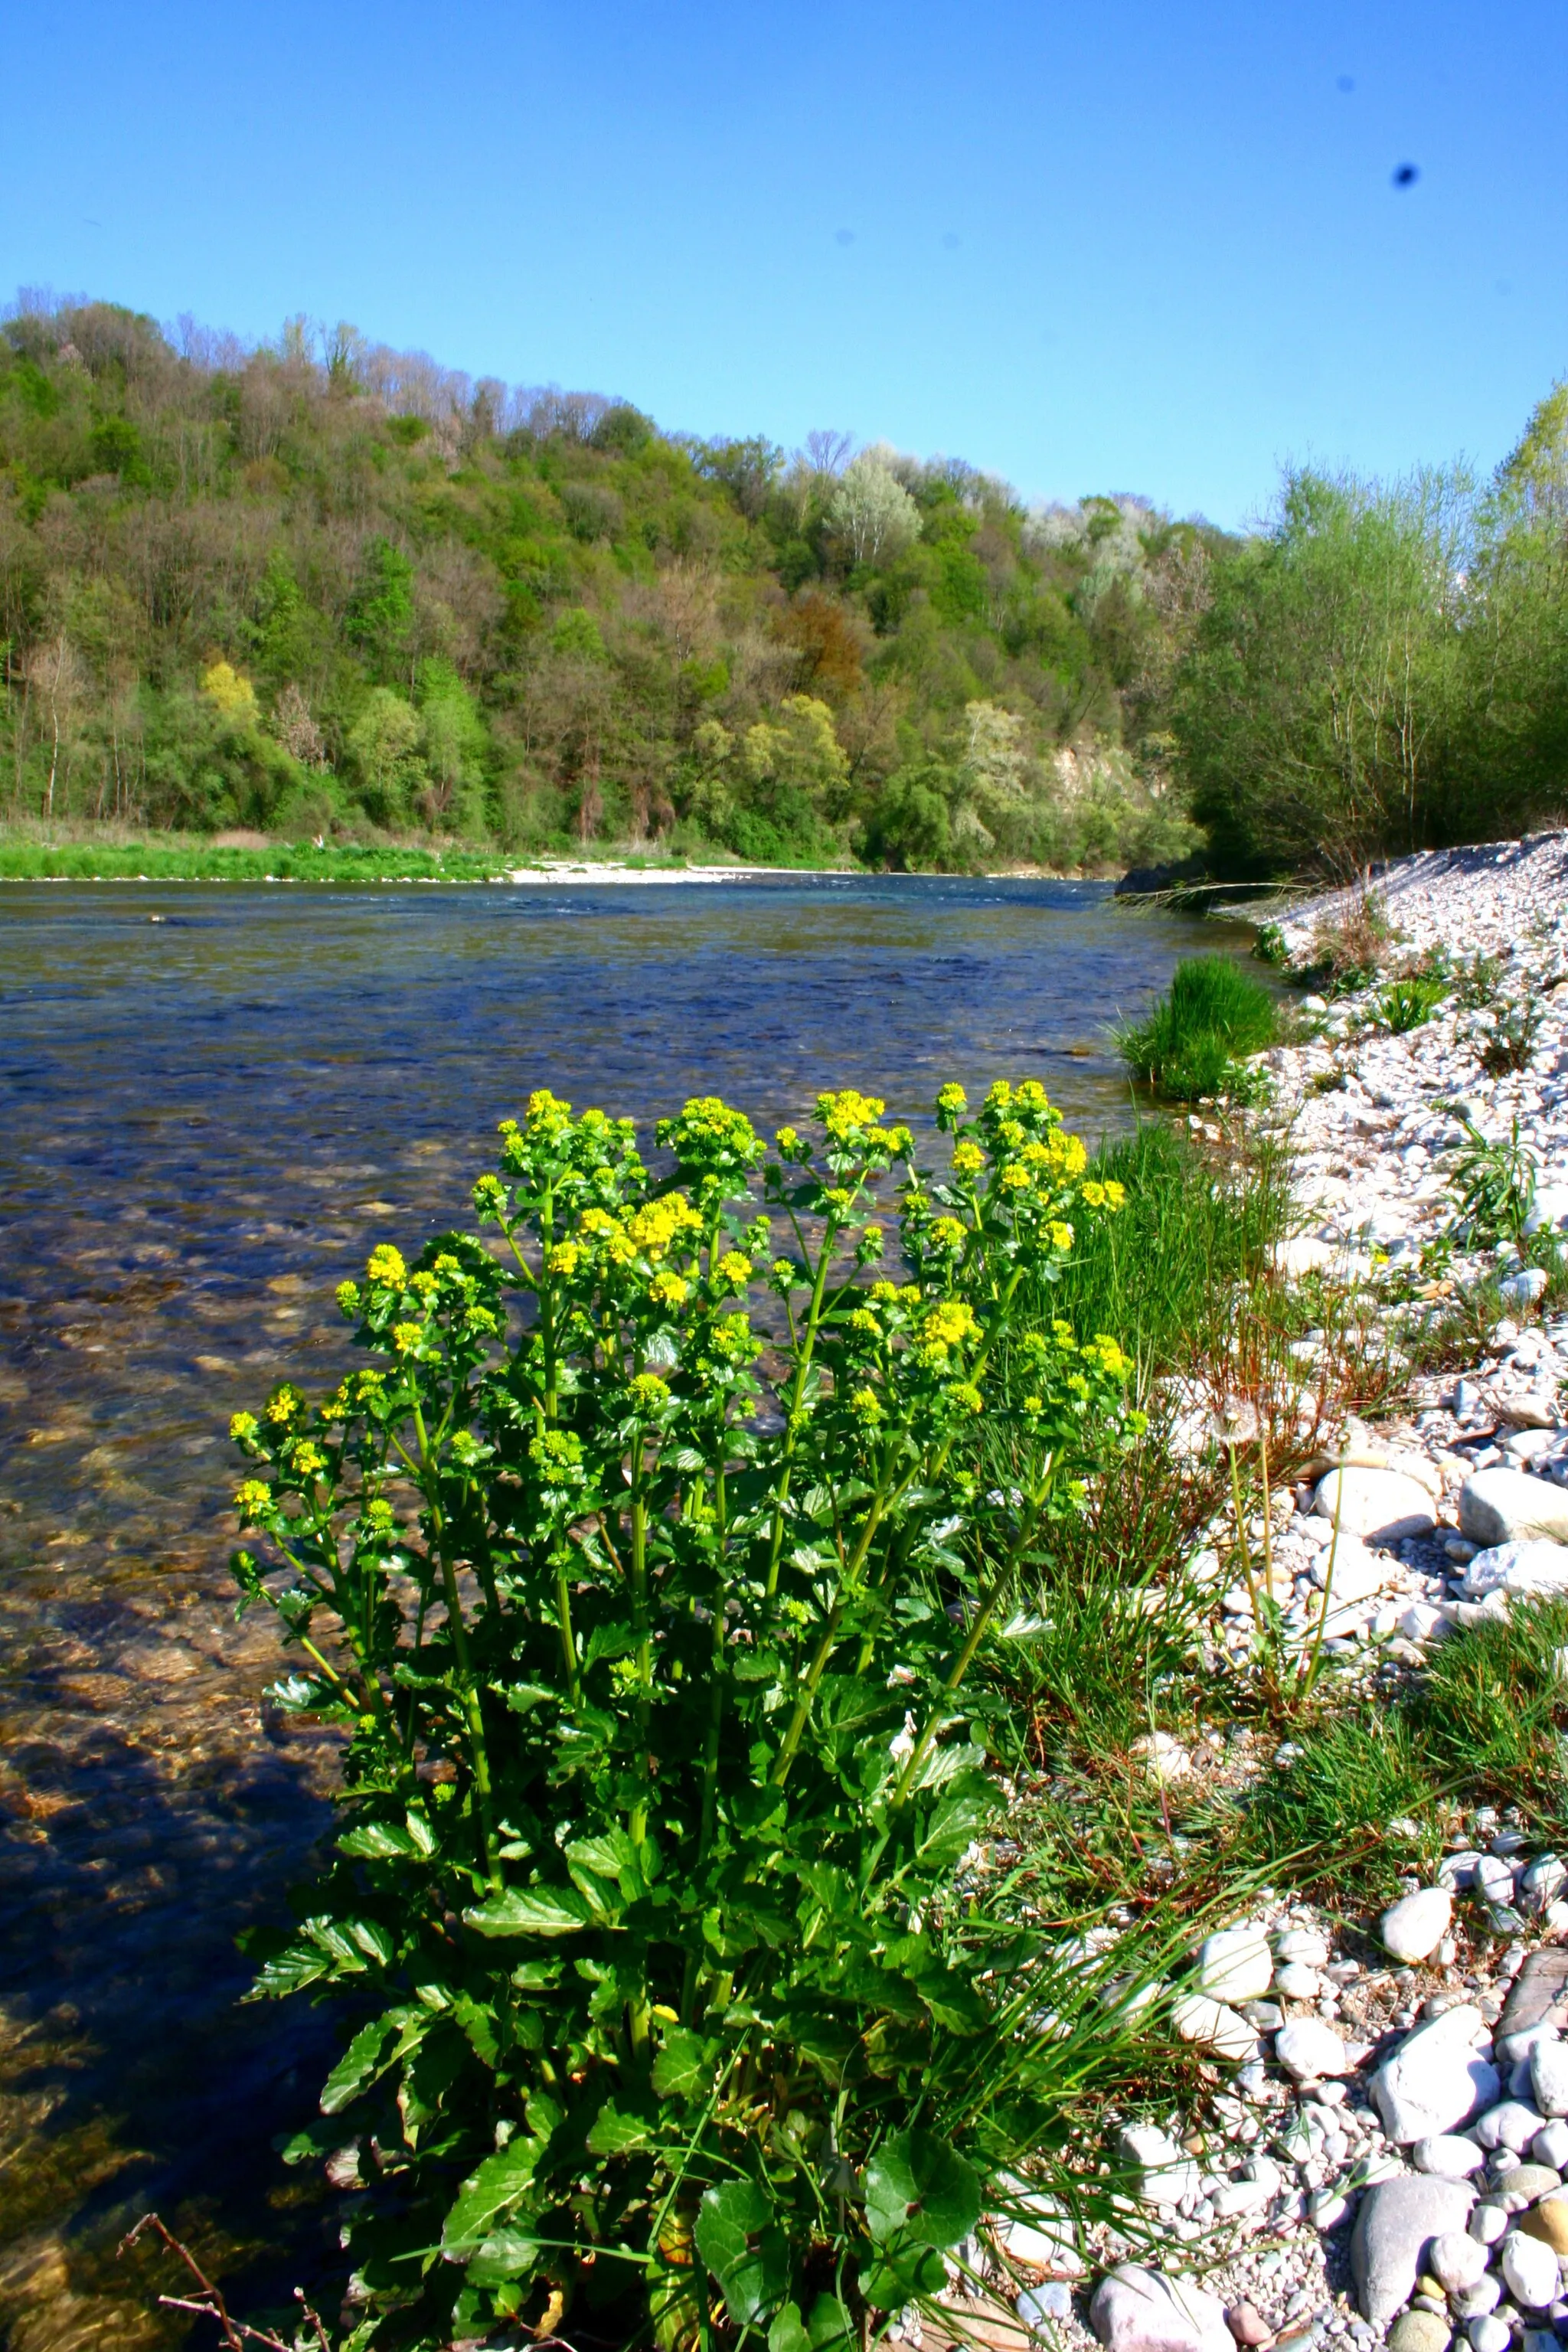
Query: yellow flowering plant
[{"x": 647, "y": 1566}]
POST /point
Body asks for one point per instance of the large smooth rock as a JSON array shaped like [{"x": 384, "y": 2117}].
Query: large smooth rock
[
  {"x": 1530, "y": 2269},
  {"x": 1380, "y": 1502},
  {"x": 1415, "y": 1925},
  {"x": 1397, "y": 2221},
  {"x": 1214, "y": 2026},
  {"x": 1456, "y": 2261},
  {"x": 1168, "y": 2172},
  {"x": 1449, "y": 2154},
  {"x": 1549, "y": 2077},
  {"x": 1309, "y": 2050},
  {"x": 1139, "y": 2310},
  {"x": 1530, "y": 1566},
  {"x": 1511, "y": 2124},
  {"x": 1435, "y": 2079},
  {"x": 1235, "y": 1964},
  {"x": 1499, "y": 1506},
  {"x": 1549, "y": 2222},
  {"x": 1419, "y": 2331}
]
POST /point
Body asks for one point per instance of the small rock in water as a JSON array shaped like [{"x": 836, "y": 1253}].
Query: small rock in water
[{"x": 1413, "y": 1929}]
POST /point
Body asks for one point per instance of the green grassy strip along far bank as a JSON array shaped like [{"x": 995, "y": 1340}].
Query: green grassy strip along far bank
[{"x": 189, "y": 859}]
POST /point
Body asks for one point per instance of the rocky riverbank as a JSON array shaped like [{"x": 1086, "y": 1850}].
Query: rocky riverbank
[{"x": 1384, "y": 2153}]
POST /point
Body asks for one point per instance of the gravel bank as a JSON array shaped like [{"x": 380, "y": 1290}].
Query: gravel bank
[{"x": 1385, "y": 2155}]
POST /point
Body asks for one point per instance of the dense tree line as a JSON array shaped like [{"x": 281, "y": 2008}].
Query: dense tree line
[
  {"x": 325, "y": 588},
  {"x": 1385, "y": 669}
]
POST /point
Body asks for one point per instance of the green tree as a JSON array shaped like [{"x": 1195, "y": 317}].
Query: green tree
[{"x": 383, "y": 748}]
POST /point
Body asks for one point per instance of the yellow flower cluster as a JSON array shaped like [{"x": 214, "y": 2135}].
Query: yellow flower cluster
[
  {"x": 662, "y": 1221},
  {"x": 843, "y": 1114},
  {"x": 966, "y": 1393},
  {"x": 556, "y": 1449},
  {"x": 251, "y": 1497},
  {"x": 242, "y": 1427},
  {"x": 564, "y": 1258},
  {"x": 735, "y": 1268},
  {"x": 308, "y": 1460},
  {"x": 865, "y": 1405},
  {"x": 348, "y": 1298},
  {"x": 384, "y": 1267},
  {"x": 548, "y": 1116},
  {"x": 1060, "y": 1234},
  {"x": 968, "y": 1159},
  {"x": 649, "y": 1393},
  {"x": 406, "y": 1336},
  {"x": 1103, "y": 1350},
  {"x": 954, "y": 1101},
  {"x": 378, "y": 1514},
  {"x": 284, "y": 1405},
  {"x": 1109, "y": 1195},
  {"x": 949, "y": 1325},
  {"x": 667, "y": 1289}
]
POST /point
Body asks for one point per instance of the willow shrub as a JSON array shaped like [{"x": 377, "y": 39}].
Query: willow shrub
[{"x": 645, "y": 1570}]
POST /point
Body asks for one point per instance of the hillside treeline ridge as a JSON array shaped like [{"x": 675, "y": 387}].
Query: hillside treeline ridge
[{"x": 323, "y": 589}]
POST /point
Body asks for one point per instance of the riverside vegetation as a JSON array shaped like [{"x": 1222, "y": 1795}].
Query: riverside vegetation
[
  {"x": 332, "y": 593},
  {"x": 763, "y": 1881}
]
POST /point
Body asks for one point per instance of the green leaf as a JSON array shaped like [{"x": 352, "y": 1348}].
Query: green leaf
[
  {"x": 504, "y": 2255},
  {"x": 499, "y": 2183},
  {"x": 684, "y": 2067},
  {"x": 616, "y": 2132},
  {"x": 830, "y": 2325},
  {"x": 367, "y": 2055},
  {"x": 917, "y": 2184},
  {"x": 532, "y": 1911},
  {"x": 523, "y": 1697},
  {"x": 890, "y": 2283},
  {"x": 376, "y": 1842},
  {"x": 788, "y": 2333},
  {"x": 746, "y": 2254}
]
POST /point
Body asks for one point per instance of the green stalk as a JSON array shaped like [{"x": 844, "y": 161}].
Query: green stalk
[
  {"x": 802, "y": 1364},
  {"x": 473, "y": 1712},
  {"x": 961, "y": 1665},
  {"x": 563, "y": 1621}
]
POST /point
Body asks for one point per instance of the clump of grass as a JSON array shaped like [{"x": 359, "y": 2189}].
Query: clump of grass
[
  {"x": 1163, "y": 1273},
  {"x": 1410, "y": 1001},
  {"x": 188, "y": 858},
  {"x": 1491, "y": 1708},
  {"x": 1329, "y": 1817},
  {"x": 1512, "y": 1039},
  {"x": 1348, "y": 952},
  {"x": 1214, "y": 1014}
]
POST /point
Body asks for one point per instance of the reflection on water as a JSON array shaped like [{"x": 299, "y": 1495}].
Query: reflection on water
[{"x": 205, "y": 1121}]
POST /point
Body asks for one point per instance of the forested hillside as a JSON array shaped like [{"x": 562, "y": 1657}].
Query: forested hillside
[{"x": 328, "y": 589}]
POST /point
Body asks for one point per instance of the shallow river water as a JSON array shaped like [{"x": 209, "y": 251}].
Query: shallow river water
[{"x": 212, "y": 1102}]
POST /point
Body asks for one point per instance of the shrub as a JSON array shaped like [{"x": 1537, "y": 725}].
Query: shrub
[
  {"x": 1215, "y": 1014},
  {"x": 664, "y": 1748},
  {"x": 1407, "y": 1003}
]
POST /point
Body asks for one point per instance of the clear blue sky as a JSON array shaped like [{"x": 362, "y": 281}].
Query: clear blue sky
[{"x": 1124, "y": 244}]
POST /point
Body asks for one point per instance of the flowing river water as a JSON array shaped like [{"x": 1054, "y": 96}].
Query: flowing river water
[{"x": 213, "y": 1101}]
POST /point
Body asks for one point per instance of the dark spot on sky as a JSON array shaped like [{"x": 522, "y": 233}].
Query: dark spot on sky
[
  {"x": 843, "y": 236},
  {"x": 951, "y": 239},
  {"x": 1345, "y": 84},
  {"x": 1406, "y": 174}
]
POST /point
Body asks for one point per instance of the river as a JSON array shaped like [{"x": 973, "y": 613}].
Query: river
[{"x": 212, "y": 1102}]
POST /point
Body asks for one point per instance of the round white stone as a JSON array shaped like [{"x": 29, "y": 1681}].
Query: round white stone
[
  {"x": 1414, "y": 1927},
  {"x": 1529, "y": 2267}
]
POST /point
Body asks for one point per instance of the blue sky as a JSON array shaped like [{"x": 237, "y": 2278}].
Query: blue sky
[{"x": 1135, "y": 245}]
